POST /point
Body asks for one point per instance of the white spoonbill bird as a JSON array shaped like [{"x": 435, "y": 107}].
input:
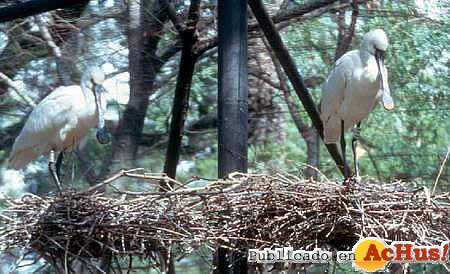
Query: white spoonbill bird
[
  {"x": 60, "y": 121},
  {"x": 354, "y": 86}
]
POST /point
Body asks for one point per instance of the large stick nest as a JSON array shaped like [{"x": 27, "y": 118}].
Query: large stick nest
[{"x": 242, "y": 211}]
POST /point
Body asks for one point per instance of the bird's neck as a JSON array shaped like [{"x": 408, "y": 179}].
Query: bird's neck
[
  {"x": 88, "y": 94},
  {"x": 369, "y": 67},
  {"x": 365, "y": 57}
]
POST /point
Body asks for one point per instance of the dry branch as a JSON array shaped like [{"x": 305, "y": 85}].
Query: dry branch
[{"x": 242, "y": 211}]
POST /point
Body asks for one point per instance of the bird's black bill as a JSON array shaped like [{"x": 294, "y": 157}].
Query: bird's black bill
[
  {"x": 388, "y": 103},
  {"x": 103, "y": 136},
  {"x": 102, "y": 131}
]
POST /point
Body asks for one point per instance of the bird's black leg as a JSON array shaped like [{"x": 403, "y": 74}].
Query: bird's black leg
[
  {"x": 355, "y": 139},
  {"x": 52, "y": 169},
  {"x": 346, "y": 171},
  {"x": 58, "y": 164}
]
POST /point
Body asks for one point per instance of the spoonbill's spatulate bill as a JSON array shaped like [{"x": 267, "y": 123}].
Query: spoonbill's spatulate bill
[
  {"x": 60, "y": 121},
  {"x": 357, "y": 82}
]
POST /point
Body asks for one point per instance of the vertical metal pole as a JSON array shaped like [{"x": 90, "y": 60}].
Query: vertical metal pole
[
  {"x": 233, "y": 86},
  {"x": 232, "y": 104}
]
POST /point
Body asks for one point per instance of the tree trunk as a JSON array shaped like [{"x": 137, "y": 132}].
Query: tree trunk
[
  {"x": 345, "y": 34},
  {"x": 145, "y": 22},
  {"x": 182, "y": 92},
  {"x": 308, "y": 133}
]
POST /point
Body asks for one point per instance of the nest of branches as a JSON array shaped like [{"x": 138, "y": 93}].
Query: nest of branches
[{"x": 242, "y": 211}]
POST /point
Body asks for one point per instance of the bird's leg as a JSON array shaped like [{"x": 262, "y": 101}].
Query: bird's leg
[
  {"x": 58, "y": 164},
  {"x": 346, "y": 171},
  {"x": 356, "y": 132},
  {"x": 52, "y": 169}
]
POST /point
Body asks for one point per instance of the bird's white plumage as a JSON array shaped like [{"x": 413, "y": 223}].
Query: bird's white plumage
[
  {"x": 58, "y": 122},
  {"x": 353, "y": 87}
]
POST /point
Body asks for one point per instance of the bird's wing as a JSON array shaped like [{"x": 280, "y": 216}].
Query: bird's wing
[
  {"x": 42, "y": 125},
  {"x": 333, "y": 94}
]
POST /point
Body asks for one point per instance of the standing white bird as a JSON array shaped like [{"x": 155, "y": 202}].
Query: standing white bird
[
  {"x": 354, "y": 86},
  {"x": 60, "y": 121}
]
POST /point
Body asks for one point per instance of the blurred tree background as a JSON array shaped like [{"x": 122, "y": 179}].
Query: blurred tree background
[{"x": 138, "y": 44}]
